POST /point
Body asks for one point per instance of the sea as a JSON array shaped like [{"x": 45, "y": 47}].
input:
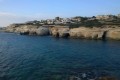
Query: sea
[{"x": 25, "y": 57}]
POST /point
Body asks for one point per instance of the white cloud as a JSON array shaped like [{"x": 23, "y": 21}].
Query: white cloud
[{"x": 9, "y": 18}]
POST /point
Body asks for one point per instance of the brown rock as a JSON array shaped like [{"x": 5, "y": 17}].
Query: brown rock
[
  {"x": 107, "y": 78},
  {"x": 42, "y": 31},
  {"x": 87, "y": 33},
  {"x": 113, "y": 34},
  {"x": 59, "y": 32}
]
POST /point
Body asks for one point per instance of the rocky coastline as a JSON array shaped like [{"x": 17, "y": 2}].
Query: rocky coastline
[
  {"x": 101, "y": 27},
  {"x": 95, "y": 33}
]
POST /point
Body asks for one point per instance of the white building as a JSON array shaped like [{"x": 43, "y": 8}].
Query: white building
[
  {"x": 58, "y": 22},
  {"x": 50, "y": 21},
  {"x": 105, "y": 17},
  {"x": 118, "y": 15},
  {"x": 66, "y": 20}
]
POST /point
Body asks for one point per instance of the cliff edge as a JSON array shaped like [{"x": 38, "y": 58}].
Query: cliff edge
[{"x": 66, "y": 32}]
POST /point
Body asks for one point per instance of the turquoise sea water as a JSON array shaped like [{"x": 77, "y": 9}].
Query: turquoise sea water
[{"x": 48, "y": 58}]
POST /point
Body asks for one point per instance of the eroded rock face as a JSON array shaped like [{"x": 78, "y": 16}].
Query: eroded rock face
[
  {"x": 28, "y": 30},
  {"x": 64, "y": 32},
  {"x": 87, "y": 33},
  {"x": 59, "y": 32},
  {"x": 54, "y": 32},
  {"x": 42, "y": 31},
  {"x": 113, "y": 34}
]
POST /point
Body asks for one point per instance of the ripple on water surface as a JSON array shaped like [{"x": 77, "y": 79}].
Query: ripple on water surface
[{"x": 48, "y": 58}]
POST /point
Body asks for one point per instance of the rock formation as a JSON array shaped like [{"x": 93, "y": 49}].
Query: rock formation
[
  {"x": 65, "y": 32},
  {"x": 42, "y": 31},
  {"x": 60, "y": 31},
  {"x": 28, "y": 30},
  {"x": 113, "y": 34},
  {"x": 88, "y": 33}
]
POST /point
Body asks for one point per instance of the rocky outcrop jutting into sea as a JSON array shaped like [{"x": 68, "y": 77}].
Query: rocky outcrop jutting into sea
[
  {"x": 66, "y": 32},
  {"x": 59, "y": 31},
  {"x": 88, "y": 33}
]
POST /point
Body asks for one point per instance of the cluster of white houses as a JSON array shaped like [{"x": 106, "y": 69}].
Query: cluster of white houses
[
  {"x": 59, "y": 20},
  {"x": 56, "y": 21},
  {"x": 107, "y": 17}
]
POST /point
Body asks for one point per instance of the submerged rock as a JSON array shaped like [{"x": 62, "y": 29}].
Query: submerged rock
[
  {"x": 107, "y": 78},
  {"x": 91, "y": 76}
]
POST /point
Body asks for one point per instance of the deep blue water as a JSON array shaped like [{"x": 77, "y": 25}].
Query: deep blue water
[{"x": 48, "y": 58}]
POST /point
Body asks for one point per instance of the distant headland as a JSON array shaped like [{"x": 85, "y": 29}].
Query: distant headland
[{"x": 102, "y": 27}]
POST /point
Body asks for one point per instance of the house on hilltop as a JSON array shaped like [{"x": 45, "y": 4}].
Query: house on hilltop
[{"x": 106, "y": 17}]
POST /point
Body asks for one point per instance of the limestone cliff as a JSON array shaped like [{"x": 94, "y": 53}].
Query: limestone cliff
[
  {"x": 113, "y": 34},
  {"x": 42, "y": 31},
  {"x": 60, "y": 31},
  {"x": 28, "y": 29},
  {"x": 88, "y": 33},
  {"x": 65, "y": 32}
]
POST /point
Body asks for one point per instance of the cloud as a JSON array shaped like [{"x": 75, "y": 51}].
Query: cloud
[{"x": 9, "y": 18}]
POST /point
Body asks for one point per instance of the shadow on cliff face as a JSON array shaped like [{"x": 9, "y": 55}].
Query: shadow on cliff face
[
  {"x": 104, "y": 36},
  {"x": 57, "y": 35},
  {"x": 65, "y": 35},
  {"x": 24, "y": 33}
]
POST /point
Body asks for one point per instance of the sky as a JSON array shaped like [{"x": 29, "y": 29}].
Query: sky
[{"x": 18, "y": 11}]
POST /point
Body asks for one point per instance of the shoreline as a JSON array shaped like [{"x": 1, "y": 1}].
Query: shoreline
[{"x": 95, "y": 33}]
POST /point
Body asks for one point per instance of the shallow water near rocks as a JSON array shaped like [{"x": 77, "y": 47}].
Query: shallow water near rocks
[{"x": 48, "y": 58}]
